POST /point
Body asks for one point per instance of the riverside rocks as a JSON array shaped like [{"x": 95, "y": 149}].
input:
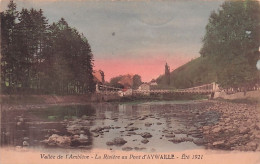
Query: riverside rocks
[
  {"x": 57, "y": 140},
  {"x": 81, "y": 138},
  {"x": 117, "y": 141},
  {"x": 169, "y": 135},
  {"x": 145, "y": 141},
  {"x": 146, "y": 135},
  {"x": 199, "y": 141},
  {"x": 131, "y": 128},
  {"x": 148, "y": 124},
  {"x": 182, "y": 139},
  {"x": 176, "y": 140},
  {"x": 212, "y": 124},
  {"x": 127, "y": 148},
  {"x": 236, "y": 129}
]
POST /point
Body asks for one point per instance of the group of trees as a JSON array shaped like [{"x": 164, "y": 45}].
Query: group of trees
[
  {"x": 232, "y": 41},
  {"x": 230, "y": 50},
  {"x": 41, "y": 58},
  {"x": 126, "y": 81}
]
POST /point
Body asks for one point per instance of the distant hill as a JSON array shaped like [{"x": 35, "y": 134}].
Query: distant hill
[{"x": 196, "y": 72}]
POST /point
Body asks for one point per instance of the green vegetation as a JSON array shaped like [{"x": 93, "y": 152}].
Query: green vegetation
[
  {"x": 39, "y": 58},
  {"x": 126, "y": 81},
  {"x": 196, "y": 72},
  {"x": 229, "y": 52},
  {"x": 232, "y": 41}
]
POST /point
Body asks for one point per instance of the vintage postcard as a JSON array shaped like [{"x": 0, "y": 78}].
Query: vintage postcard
[{"x": 130, "y": 81}]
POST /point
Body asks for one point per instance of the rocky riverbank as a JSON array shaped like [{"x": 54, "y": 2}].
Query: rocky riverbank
[{"x": 237, "y": 129}]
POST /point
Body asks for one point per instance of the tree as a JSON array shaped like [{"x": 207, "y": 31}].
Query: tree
[
  {"x": 137, "y": 81},
  {"x": 231, "y": 42},
  {"x": 9, "y": 55},
  {"x": 42, "y": 58},
  {"x": 32, "y": 40},
  {"x": 114, "y": 82}
]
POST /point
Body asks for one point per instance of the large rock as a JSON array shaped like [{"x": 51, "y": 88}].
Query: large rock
[
  {"x": 81, "y": 138},
  {"x": 117, "y": 141},
  {"x": 219, "y": 143},
  {"x": 131, "y": 128},
  {"x": 177, "y": 140},
  {"x": 57, "y": 140},
  {"x": 216, "y": 130},
  {"x": 97, "y": 129},
  {"x": 148, "y": 124},
  {"x": 187, "y": 139},
  {"x": 146, "y": 135},
  {"x": 129, "y": 124},
  {"x": 130, "y": 133},
  {"x": 127, "y": 148},
  {"x": 145, "y": 141},
  {"x": 169, "y": 135},
  {"x": 143, "y": 118}
]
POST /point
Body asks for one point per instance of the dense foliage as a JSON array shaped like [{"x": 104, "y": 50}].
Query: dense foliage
[
  {"x": 42, "y": 58},
  {"x": 230, "y": 49},
  {"x": 194, "y": 73},
  {"x": 126, "y": 81},
  {"x": 232, "y": 41}
]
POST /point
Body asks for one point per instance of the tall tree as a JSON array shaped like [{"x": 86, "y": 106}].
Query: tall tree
[
  {"x": 39, "y": 58},
  {"x": 231, "y": 42},
  {"x": 137, "y": 81},
  {"x": 8, "y": 32}
]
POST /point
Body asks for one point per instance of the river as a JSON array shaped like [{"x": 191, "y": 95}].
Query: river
[{"x": 158, "y": 126}]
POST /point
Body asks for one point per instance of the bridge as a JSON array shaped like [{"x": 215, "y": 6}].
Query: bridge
[{"x": 203, "y": 89}]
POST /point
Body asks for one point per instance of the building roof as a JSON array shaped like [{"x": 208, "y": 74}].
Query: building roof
[{"x": 97, "y": 76}]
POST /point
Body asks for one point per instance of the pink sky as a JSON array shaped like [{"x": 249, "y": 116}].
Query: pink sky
[
  {"x": 148, "y": 68},
  {"x": 136, "y": 37}
]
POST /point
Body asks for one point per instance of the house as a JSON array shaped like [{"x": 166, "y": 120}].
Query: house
[
  {"x": 125, "y": 92},
  {"x": 99, "y": 76},
  {"x": 145, "y": 89},
  {"x": 153, "y": 85}
]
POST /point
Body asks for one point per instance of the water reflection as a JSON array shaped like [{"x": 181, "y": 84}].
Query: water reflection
[{"x": 147, "y": 127}]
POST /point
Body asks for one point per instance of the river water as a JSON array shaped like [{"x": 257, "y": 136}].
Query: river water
[{"x": 159, "y": 126}]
